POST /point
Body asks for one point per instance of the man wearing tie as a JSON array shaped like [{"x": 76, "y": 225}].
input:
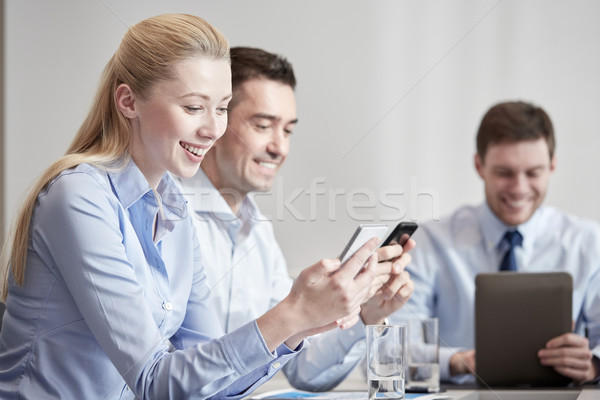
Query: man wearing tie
[{"x": 510, "y": 231}]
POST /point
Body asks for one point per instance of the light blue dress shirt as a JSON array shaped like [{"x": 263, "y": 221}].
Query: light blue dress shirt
[
  {"x": 248, "y": 275},
  {"x": 451, "y": 252},
  {"x": 106, "y": 312}
]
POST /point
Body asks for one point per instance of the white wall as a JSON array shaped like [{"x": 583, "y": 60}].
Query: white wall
[{"x": 389, "y": 97}]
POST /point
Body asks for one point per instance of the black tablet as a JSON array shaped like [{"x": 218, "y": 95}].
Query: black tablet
[{"x": 515, "y": 315}]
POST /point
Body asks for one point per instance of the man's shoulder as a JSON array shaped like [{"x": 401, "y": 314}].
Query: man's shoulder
[
  {"x": 563, "y": 218},
  {"x": 553, "y": 218},
  {"x": 464, "y": 217},
  {"x": 458, "y": 229}
]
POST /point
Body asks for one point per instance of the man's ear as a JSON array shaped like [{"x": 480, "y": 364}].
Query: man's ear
[
  {"x": 553, "y": 162},
  {"x": 125, "y": 100},
  {"x": 478, "y": 165}
]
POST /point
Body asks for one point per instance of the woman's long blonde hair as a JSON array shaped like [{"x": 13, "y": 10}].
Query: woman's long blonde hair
[{"x": 145, "y": 56}]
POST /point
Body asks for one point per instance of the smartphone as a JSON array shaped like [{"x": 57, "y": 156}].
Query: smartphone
[
  {"x": 401, "y": 233},
  {"x": 361, "y": 235}
]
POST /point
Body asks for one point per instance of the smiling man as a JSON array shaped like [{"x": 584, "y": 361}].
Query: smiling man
[
  {"x": 244, "y": 265},
  {"x": 248, "y": 158},
  {"x": 515, "y": 159}
]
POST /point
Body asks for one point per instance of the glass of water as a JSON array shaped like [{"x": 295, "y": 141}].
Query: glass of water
[
  {"x": 386, "y": 347},
  {"x": 423, "y": 366}
]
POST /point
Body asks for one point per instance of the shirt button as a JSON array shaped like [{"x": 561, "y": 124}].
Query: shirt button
[
  {"x": 276, "y": 365},
  {"x": 168, "y": 306}
]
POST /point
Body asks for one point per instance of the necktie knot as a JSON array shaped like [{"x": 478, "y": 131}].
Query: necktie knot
[
  {"x": 509, "y": 262},
  {"x": 513, "y": 238}
]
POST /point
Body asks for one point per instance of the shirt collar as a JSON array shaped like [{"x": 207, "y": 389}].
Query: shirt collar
[
  {"x": 493, "y": 229},
  {"x": 130, "y": 185},
  {"x": 205, "y": 198}
]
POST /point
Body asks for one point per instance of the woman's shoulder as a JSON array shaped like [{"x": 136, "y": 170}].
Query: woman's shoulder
[{"x": 82, "y": 181}]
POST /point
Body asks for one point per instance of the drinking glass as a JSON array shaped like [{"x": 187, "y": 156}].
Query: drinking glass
[
  {"x": 386, "y": 347},
  {"x": 423, "y": 367}
]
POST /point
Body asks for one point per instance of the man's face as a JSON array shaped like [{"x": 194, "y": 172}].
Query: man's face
[
  {"x": 257, "y": 139},
  {"x": 516, "y": 178}
]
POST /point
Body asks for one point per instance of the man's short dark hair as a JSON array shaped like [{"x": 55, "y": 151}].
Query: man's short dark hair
[
  {"x": 251, "y": 63},
  {"x": 514, "y": 121}
]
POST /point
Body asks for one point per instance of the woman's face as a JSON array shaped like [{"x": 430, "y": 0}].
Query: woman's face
[{"x": 181, "y": 119}]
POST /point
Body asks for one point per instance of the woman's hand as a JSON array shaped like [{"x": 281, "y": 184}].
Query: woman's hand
[{"x": 324, "y": 296}]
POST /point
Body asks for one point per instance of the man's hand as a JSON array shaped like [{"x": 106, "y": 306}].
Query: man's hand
[
  {"x": 392, "y": 287},
  {"x": 569, "y": 354},
  {"x": 462, "y": 362}
]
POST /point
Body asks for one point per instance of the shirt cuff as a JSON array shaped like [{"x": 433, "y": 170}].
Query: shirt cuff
[
  {"x": 245, "y": 348},
  {"x": 283, "y": 349},
  {"x": 251, "y": 381},
  {"x": 445, "y": 354}
]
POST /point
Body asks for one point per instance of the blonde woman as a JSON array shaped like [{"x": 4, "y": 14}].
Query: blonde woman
[{"x": 105, "y": 297}]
